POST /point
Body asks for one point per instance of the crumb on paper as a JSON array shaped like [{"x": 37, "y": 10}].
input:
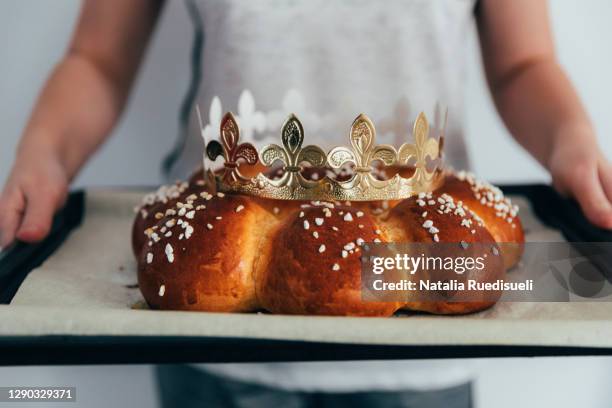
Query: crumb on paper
[{"x": 139, "y": 305}]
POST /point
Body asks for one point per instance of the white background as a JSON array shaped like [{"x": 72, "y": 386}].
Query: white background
[{"x": 33, "y": 36}]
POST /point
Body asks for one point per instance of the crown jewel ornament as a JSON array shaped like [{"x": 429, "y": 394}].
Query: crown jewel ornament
[{"x": 356, "y": 173}]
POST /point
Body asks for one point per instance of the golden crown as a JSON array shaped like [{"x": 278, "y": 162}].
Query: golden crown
[{"x": 356, "y": 173}]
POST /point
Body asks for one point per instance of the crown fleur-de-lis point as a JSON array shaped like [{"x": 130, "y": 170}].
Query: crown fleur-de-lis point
[
  {"x": 292, "y": 154},
  {"x": 363, "y": 153},
  {"x": 231, "y": 150},
  {"x": 423, "y": 147}
]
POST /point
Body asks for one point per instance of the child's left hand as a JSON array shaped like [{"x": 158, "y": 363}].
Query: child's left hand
[{"x": 539, "y": 105}]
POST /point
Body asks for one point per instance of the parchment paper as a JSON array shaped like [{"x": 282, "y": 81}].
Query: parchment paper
[{"x": 87, "y": 288}]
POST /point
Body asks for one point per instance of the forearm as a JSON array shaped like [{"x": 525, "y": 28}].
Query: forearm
[
  {"x": 532, "y": 93},
  {"x": 541, "y": 109},
  {"x": 87, "y": 91},
  {"x": 74, "y": 113}
]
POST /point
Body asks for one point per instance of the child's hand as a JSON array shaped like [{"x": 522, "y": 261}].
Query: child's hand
[
  {"x": 35, "y": 189},
  {"x": 539, "y": 105},
  {"x": 580, "y": 170},
  {"x": 100, "y": 65}
]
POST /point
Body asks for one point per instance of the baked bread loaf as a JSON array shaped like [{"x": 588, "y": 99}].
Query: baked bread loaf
[
  {"x": 439, "y": 217},
  {"x": 496, "y": 212},
  {"x": 310, "y": 264},
  {"x": 154, "y": 207},
  {"x": 202, "y": 250},
  {"x": 203, "y": 257}
]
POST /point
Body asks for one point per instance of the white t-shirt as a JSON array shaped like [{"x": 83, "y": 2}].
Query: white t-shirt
[{"x": 327, "y": 61}]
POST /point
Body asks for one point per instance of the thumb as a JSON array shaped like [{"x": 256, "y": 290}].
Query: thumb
[
  {"x": 586, "y": 187},
  {"x": 12, "y": 205},
  {"x": 39, "y": 210}
]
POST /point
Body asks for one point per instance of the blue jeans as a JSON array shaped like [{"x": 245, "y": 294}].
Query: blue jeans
[{"x": 186, "y": 387}]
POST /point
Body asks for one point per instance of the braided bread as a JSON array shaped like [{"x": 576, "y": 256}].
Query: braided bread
[{"x": 200, "y": 250}]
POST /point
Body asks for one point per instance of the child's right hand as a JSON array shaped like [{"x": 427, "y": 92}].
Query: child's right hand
[
  {"x": 37, "y": 186},
  {"x": 63, "y": 131}
]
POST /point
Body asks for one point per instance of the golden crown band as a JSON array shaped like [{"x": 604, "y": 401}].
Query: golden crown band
[{"x": 367, "y": 163}]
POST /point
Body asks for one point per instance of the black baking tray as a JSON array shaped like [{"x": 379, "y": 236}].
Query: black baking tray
[{"x": 15, "y": 264}]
